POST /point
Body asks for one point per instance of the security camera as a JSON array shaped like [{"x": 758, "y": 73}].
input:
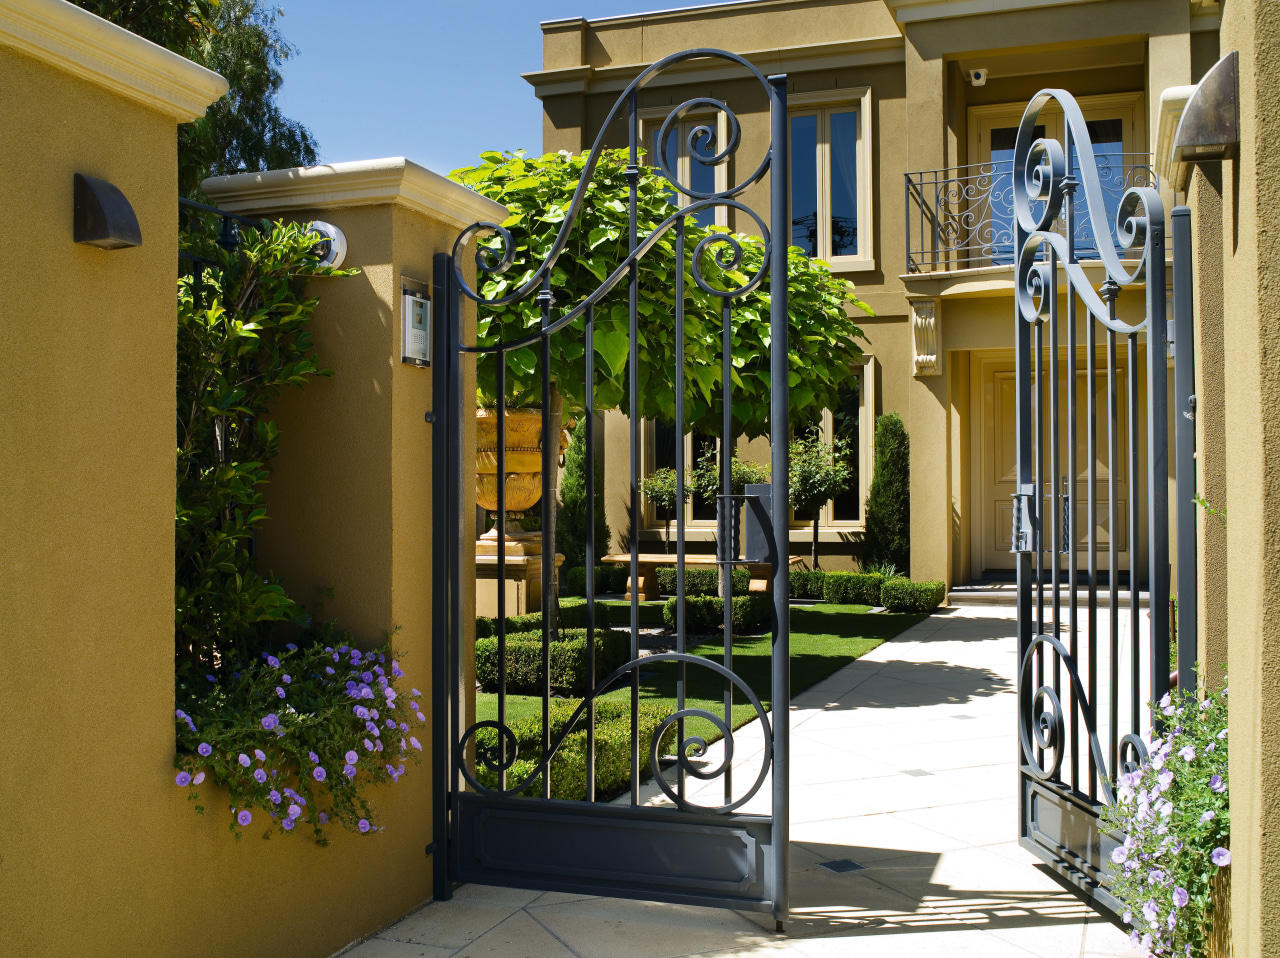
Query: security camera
[
  {"x": 332, "y": 247},
  {"x": 978, "y": 77}
]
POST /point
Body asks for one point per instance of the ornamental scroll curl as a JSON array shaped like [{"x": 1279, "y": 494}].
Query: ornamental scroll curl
[
  {"x": 693, "y": 746},
  {"x": 496, "y": 257},
  {"x": 1043, "y": 185}
]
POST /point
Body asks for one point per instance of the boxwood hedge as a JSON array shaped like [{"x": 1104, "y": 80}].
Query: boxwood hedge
[
  {"x": 807, "y": 583},
  {"x": 752, "y": 613},
  {"x": 852, "y": 588},
  {"x": 903, "y": 595},
  {"x": 568, "y": 657},
  {"x": 699, "y": 581},
  {"x": 573, "y": 615}
]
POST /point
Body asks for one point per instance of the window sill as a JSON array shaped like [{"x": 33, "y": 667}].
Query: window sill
[{"x": 851, "y": 265}]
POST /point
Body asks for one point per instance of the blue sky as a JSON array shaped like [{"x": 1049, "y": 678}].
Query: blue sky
[{"x": 431, "y": 80}]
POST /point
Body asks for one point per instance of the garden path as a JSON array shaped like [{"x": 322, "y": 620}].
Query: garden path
[{"x": 903, "y": 762}]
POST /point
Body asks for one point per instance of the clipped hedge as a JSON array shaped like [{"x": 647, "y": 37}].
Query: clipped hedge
[
  {"x": 573, "y": 615},
  {"x": 699, "y": 581},
  {"x": 569, "y": 764},
  {"x": 610, "y": 579},
  {"x": 752, "y": 613},
  {"x": 852, "y": 588},
  {"x": 903, "y": 595},
  {"x": 807, "y": 583},
  {"x": 568, "y": 655}
]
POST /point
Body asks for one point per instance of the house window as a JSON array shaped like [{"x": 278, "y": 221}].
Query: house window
[
  {"x": 682, "y": 158},
  {"x": 831, "y": 179},
  {"x": 700, "y": 508},
  {"x": 851, "y": 420}
]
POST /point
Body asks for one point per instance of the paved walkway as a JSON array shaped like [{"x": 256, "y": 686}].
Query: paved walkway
[{"x": 903, "y": 762}]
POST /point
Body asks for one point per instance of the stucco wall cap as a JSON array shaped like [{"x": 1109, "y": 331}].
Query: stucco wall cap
[
  {"x": 1172, "y": 102},
  {"x": 77, "y": 42},
  {"x": 359, "y": 183},
  {"x": 907, "y": 11}
]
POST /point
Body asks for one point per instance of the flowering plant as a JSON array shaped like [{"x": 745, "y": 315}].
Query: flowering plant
[
  {"x": 1174, "y": 813},
  {"x": 296, "y": 736}
]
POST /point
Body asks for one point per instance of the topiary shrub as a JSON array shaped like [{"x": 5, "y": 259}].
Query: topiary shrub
[
  {"x": 610, "y": 580},
  {"x": 903, "y": 595},
  {"x": 752, "y": 613},
  {"x": 807, "y": 583},
  {"x": 699, "y": 581},
  {"x": 852, "y": 588},
  {"x": 568, "y": 658},
  {"x": 569, "y": 763},
  {"x": 888, "y": 529},
  {"x": 573, "y": 615},
  {"x": 571, "y": 511}
]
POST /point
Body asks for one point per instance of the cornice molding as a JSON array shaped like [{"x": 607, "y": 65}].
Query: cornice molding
[
  {"x": 75, "y": 41},
  {"x": 908, "y": 11},
  {"x": 393, "y": 180}
]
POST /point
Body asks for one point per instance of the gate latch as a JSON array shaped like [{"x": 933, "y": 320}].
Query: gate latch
[{"x": 1023, "y": 522}]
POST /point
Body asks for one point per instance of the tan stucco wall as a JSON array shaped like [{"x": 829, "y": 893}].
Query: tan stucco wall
[{"x": 1251, "y": 302}]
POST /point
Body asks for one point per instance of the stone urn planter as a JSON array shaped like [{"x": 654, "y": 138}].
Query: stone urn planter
[{"x": 523, "y": 465}]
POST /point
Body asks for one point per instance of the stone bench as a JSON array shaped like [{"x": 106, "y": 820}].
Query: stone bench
[{"x": 649, "y": 562}]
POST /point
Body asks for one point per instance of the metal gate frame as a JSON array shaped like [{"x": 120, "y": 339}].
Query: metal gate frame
[
  {"x": 1062, "y": 785},
  {"x": 690, "y": 854}
]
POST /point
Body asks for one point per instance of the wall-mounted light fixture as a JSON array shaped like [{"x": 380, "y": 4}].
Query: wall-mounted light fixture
[
  {"x": 415, "y": 329},
  {"x": 1210, "y": 126},
  {"x": 103, "y": 216}
]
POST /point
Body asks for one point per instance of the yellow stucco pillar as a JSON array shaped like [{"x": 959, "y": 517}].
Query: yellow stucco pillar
[{"x": 1251, "y": 330}]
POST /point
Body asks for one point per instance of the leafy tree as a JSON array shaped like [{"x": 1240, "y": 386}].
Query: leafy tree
[
  {"x": 538, "y": 191},
  {"x": 888, "y": 530},
  {"x": 245, "y": 130},
  {"x": 571, "y": 514},
  {"x": 242, "y": 339},
  {"x": 661, "y": 489},
  {"x": 819, "y": 471}
]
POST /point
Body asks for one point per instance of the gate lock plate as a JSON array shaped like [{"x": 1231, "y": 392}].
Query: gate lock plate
[{"x": 1023, "y": 522}]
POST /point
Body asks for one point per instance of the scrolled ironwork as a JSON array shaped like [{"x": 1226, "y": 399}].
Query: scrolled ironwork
[
  {"x": 700, "y": 139},
  {"x": 1133, "y": 752},
  {"x": 698, "y": 744}
]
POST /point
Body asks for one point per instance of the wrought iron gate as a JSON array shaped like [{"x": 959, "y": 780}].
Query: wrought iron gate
[
  {"x": 682, "y": 850},
  {"x": 1093, "y": 644}
]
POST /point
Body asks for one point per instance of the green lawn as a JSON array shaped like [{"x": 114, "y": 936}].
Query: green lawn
[{"x": 824, "y": 638}]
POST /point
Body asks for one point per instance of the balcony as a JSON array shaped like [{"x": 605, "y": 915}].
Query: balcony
[{"x": 962, "y": 218}]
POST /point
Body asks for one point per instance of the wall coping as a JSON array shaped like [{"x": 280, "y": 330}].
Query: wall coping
[
  {"x": 76, "y": 41},
  {"x": 360, "y": 183}
]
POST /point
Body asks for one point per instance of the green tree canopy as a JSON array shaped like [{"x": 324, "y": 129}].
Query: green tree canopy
[{"x": 538, "y": 191}]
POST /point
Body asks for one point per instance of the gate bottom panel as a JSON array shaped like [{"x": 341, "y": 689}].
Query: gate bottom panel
[
  {"x": 650, "y": 853},
  {"x": 1064, "y": 831}
]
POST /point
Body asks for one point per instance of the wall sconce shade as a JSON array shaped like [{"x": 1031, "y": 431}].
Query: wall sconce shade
[
  {"x": 103, "y": 216},
  {"x": 1210, "y": 125}
]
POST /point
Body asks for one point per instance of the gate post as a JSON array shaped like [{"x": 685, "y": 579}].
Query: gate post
[{"x": 1184, "y": 387}]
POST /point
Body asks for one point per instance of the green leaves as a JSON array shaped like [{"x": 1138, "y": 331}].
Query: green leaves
[
  {"x": 824, "y": 348},
  {"x": 242, "y": 339}
]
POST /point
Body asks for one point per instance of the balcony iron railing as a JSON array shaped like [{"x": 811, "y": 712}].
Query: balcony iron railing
[{"x": 962, "y": 218}]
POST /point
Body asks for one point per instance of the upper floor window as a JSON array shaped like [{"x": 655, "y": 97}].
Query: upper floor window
[{"x": 831, "y": 177}]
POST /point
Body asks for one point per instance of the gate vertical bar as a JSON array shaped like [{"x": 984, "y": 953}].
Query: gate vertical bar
[
  {"x": 550, "y": 453},
  {"x": 779, "y": 416},
  {"x": 728, "y": 516},
  {"x": 633, "y": 392},
  {"x": 680, "y": 466},
  {"x": 453, "y": 535},
  {"x": 441, "y": 573},
  {"x": 589, "y": 415},
  {"x": 1184, "y": 387},
  {"x": 1158, "y": 459}
]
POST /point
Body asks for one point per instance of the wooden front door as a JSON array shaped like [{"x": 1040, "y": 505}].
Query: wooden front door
[{"x": 995, "y": 458}]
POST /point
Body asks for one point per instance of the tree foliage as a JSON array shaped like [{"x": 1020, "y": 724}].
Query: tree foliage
[
  {"x": 240, "y": 39},
  {"x": 242, "y": 339},
  {"x": 538, "y": 191},
  {"x": 818, "y": 471},
  {"x": 571, "y": 516},
  {"x": 888, "y": 525}
]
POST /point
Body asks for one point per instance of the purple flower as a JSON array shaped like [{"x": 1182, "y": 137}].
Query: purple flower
[
  {"x": 287, "y": 680},
  {"x": 318, "y": 773},
  {"x": 1149, "y": 911},
  {"x": 291, "y": 647},
  {"x": 364, "y": 824},
  {"x": 1165, "y": 778},
  {"x": 324, "y": 819},
  {"x": 245, "y": 817},
  {"x": 418, "y": 745},
  {"x": 294, "y": 811},
  {"x": 279, "y": 692},
  {"x": 349, "y": 771},
  {"x": 381, "y": 657},
  {"x": 377, "y": 744},
  {"x": 270, "y": 722},
  {"x": 1118, "y": 854},
  {"x": 351, "y": 685},
  {"x": 372, "y": 729},
  {"x": 328, "y": 670},
  {"x": 244, "y": 760},
  {"x": 401, "y": 768},
  {"x": 1217, "y": 784},
  {"x": 373, "y": 714},
  {"x": 1180, "y": 898},
  {"x": 416, "y": 693},
  {"x": 390, "y": 723},
  {"x": 179, "y": 713},
  {"x": 1220, "y": 857},
  {"x": 211, "y": 678},
  {"x": 404, "y": 726},
  {"x": 205, "y": 749},
  {"x": 260, "y": 755},
  {"x": 1187, "y": 753},
  {"x": 273, "y": 661},
  {"x": 351, "y": 757},
  {"x": 414, "y": 706},
  {"x": 287, "y": 824},
  {"x": 1222, "y": 734},
  {"x": 367, "y": 676},
  {"x": 1208, "y": 816},
  {"x": 366, "y": 693},
  {"x": 198, "y": 779},
  {"x": 396, "y": 670},
  {"x": 183, "y": 779},
  {"x": 260, "y": 775},
  {"x": 335, "y": 656},
  {"x": 274, "y": 796},
  {"x": 356, "y": 655},
  {"x": 360, "y": 711},
  {"x": 421, "y": 717},
  {"x": 368, "y": 746}
]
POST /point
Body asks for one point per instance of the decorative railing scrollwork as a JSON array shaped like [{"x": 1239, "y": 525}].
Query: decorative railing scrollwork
[{"x": 491, "y": 758}]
